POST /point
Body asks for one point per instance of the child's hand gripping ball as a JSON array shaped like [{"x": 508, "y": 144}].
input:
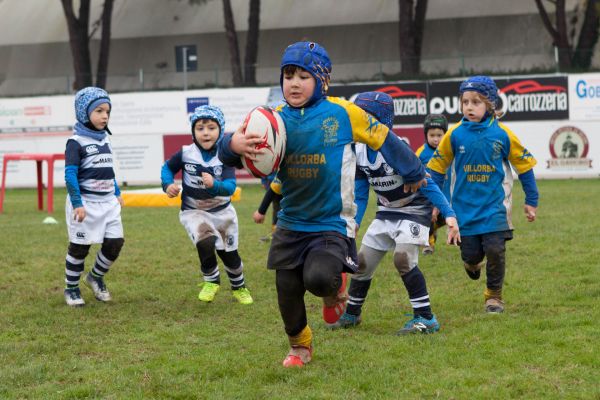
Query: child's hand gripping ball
[{"x": 266, "y": 122}]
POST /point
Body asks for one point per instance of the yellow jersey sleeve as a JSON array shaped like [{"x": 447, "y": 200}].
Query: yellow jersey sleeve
[
  {"x": 420, "y": 150},
  {"x": 442, "y": 156},
  {"x": 365, "y": 128},
  {"x": 519, "y": 157},
  {"x": 276, "y": 186}
]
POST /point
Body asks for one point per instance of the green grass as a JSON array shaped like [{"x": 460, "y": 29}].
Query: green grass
[{"x": 157, "y": 341}]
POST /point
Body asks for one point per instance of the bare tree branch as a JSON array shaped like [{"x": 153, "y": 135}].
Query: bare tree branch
[
  {"x": 546, "y": 20},
  {"x": 234, "y": 49}
]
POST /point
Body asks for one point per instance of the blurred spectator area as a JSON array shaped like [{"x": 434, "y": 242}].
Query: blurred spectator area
[{"x": 361, "y": 37}]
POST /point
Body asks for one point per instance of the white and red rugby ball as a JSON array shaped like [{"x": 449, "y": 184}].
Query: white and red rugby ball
[{"x": 268, "y": 123}]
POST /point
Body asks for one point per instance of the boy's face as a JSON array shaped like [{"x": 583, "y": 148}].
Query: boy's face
[
  {"x": 206, "y": 132},
  {"x": 434, "y": 137},
  {"x": 99, "y": 116},
  {"x": 473, "y": 107},
  {"x": 298, "y": 87}
]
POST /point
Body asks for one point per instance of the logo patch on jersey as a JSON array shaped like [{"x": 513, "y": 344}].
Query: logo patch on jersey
[
  {"x": 103, "y": 160},
  {"x": 461, "y": 149},
  {"x": 437, "y": 155},
  {"x": 190, "y": 168},
  {"x": 414, "y": 229},
  {"x": 330, "y": 128},
  {"x": 388, "y": 170},
  {"x": 218, "y": 170},
  {"x": 497, "y": 152},
  {"x": 351, "y": 262},
  {"x": 230, "y": 240},
  {"x": 80, "y": 235},
  {"x": 91, "y": 149},
  {"x": 373, "y": 124}
]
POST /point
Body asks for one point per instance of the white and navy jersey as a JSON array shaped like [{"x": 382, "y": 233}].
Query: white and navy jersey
[
  {"x": 195, "y": 195},
  {"x": 94, "y": 161},
  {"x": 392, "y": 203}
]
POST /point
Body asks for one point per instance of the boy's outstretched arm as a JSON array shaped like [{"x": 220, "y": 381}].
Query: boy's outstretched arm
[
  {"x": 401, "y": 157},
  {"x": 239, "y": 143},
  {"x": 167, "y": 174},
  {"x": 436, "y": 177},
  {"x": 259, "y": 215},
  {"x": 361, "y": 197},
  {"x": 531, "y": 194},
  {"x": 434, "y": 194},
  {"x": 367, "y": 129}
]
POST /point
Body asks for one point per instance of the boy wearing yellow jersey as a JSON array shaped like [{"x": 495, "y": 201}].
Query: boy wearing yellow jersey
[{"x": 481, "y": 151}]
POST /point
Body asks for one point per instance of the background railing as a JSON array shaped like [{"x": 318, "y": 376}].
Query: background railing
[{"x": 343, "y": 71}]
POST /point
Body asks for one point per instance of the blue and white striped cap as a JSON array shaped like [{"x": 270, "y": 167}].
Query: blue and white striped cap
[
  {"x": 87, "y": 99},
  {"x": 208, "y": 112}
]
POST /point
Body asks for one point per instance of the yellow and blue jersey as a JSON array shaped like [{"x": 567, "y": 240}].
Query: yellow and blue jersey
[
  {"x": 318, "y": 170},
  {"x": 317, "y": 174},
  {"x": 425, "y": 152},
  {"x": 479, "y": 156}
]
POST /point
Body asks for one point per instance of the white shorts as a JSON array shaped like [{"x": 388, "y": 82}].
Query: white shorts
[
  {"x": 385, "y": 235},
  {"x": 102, "y": 220},
  {"x": 222, "y": 224}
]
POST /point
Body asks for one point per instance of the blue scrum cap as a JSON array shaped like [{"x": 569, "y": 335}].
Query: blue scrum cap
[
  {"x": 483, "y": 85},
  {"x": 87, "y": 99},
  {"x": 208, "y": 112},
  {"x": 313, "y": 58},
  {"x": 378, "y": 104}
]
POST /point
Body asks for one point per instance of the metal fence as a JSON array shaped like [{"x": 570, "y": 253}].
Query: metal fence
[{"x": 344, "y": 71}]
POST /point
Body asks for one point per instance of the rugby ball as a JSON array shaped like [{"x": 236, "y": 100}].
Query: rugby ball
[{"x": 268, "y": 123}]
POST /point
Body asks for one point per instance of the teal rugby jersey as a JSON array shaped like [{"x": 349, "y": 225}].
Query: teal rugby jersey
[
  {"x": 481, "y": 180},
  {"x": 317, "y": 174}
]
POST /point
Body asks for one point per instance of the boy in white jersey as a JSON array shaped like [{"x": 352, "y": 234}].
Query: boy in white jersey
[
  {"x": 93, "y": 209},
  {"x": 400, "y": 225},
  {"x": 206, "y": 211}
]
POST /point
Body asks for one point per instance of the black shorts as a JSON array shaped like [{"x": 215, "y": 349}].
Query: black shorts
[
  {"x": 289, "y": 249},
  {"x": 472, "y": 246}
]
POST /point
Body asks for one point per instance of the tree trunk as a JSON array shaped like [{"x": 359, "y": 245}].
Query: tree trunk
[
  {"x": 411, "y": 26},
  {"x": 588, "y": 37},
  {"x": 559, "y": 33},
  {"x": 252, "y": 44},
  {"x": 101, "y": 73},
  {"x": 78, "y": 39},
  {"x": 234, "y": 50}
]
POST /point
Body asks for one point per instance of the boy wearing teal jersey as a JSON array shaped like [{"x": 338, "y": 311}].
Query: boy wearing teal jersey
[
  {"x": 313, "y": 244},
  {"x": 480, "y": 151}
]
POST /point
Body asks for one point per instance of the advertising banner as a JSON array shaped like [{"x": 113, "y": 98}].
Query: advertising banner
[
  {"x": 36, "y": 114},
  {"x": 522, "y": 99},
  {"x": 561, "y": 148},
  {"x": 584, "y": 97},
  {"x": 161, "y": 112},
  {"x": 410, "y": 99},
  {"x": 138, "y": 122},
  {"x": 132, "y": 113}
]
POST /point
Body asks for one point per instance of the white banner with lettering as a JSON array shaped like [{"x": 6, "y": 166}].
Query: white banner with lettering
[{"x": 141, "y": 123}]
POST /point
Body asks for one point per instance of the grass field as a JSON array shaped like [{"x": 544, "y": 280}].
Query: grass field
[{"x": 157, "y": 341}]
